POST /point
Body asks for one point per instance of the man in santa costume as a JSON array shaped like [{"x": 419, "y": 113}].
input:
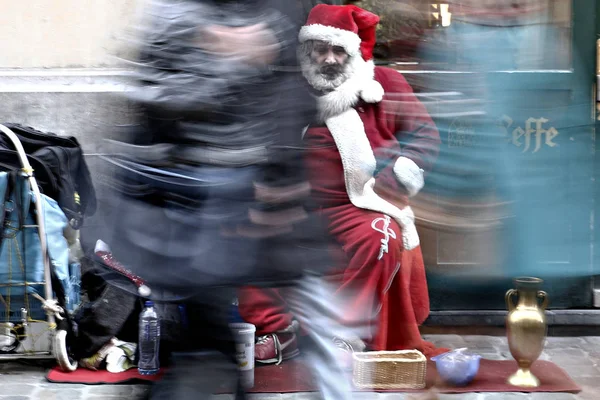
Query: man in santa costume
[{"x": 367, "y": 155}]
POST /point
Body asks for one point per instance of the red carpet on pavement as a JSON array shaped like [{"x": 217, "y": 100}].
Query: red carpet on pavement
[
  {"x": 293, "y": 376},
  {"x": 100, "y": 377}
]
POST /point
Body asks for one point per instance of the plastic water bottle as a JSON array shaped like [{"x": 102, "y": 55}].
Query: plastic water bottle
[
  {"x": 234, "y": 312},
  {"x": 149, "y": 341}
]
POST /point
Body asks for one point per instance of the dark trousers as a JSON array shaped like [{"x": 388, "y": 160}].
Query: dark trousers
[{"x": 206, "y": 364}]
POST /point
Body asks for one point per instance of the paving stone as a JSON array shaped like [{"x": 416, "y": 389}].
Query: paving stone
[
  {"x": 111, "y": 390},
  {"x": 376, "y": 396},
  {"x": 562, "y": 342},
  {"x": 110, "y": 398},
  {"x": 572, "y": 356},
  {"x": 588, "y": 392},
  {"x": 503, "y": 396},
  {"x": 588, "y": 382},
  {"x": 15, "y": 367},
  {"x": 461, "y": 396},
  {"x": 494, "y": 340},
  {"x": 57, "y": 386},
  {"x": 39, "y": 376},
  {"x": 141, "y": 390},
  {"x": 502, "y": 348},
  {"x": 305, "y": 396},
  {"x": 588, "y": 395},
  {"x": 552, "y": 396},
  {"x": 583, "y": 361},
  {"x": 393, "y": 396},
  {"x": 433, "y": 336},
  {"x": 62, "y": 394},
  {"x": 581, "y": 371},
  {"x": 15, "y": 389},
  {"x": 482, "y": 342},
  {"x": 14, "y": 397},
  {"x": 592, "y": 340},
  {"x": 265, "y": 396},
  {"x": 493, "y": 356},
  {"x": 594, "y": 355},
  {"x": 566, "y": 352},
  {"x": 506, "y": 355},
  {"x": 452, "y": 341}
]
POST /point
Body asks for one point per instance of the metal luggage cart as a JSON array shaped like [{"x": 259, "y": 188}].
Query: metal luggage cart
[{"x": 32, "y": 326}]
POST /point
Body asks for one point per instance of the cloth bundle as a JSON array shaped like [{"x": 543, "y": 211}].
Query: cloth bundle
[{"x": 116, "y": 356}]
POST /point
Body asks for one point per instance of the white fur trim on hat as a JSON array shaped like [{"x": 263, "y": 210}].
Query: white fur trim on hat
[
  {"x": 350, "y": 41},
  {"x": 409, "y": 174}
]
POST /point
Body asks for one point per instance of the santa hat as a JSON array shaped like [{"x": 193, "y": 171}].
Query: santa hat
[{"x": 352, "y": 28}]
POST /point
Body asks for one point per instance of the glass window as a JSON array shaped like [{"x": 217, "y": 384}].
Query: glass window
[{"x": 517, "y": 34}]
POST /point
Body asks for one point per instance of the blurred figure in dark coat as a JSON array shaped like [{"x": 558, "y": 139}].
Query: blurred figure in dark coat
[{"x": 208, "y": 191}]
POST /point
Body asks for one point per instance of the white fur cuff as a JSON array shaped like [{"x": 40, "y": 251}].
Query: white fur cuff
[
  {"x": 409, "y": 174},
  {"x": 372, "y": 92},
  {"x": 410, "y": 237}
]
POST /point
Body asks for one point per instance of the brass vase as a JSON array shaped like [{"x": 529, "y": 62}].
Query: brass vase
[{"x": 526, "y": 328}]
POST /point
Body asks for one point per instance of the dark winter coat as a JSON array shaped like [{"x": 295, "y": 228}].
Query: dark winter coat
[{"x": 212, "y": 133}]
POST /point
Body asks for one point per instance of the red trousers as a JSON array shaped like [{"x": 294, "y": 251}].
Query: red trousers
[{"x": 381, "y": 284}]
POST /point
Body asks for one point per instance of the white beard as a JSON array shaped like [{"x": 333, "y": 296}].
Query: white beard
[
  {"x": 355, "y": 82},
  {"x": 318, "y": 80}
]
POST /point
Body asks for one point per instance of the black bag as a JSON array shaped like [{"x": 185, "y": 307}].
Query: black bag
[
  {"x": 110, "y": 309},
  {"x": 60, "y": 169}
]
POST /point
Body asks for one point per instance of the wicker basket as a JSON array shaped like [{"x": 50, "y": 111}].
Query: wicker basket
[{"x": 405, "y": 369}]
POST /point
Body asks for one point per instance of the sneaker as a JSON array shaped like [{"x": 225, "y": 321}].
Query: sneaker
[{"x": 277, "y": 347}]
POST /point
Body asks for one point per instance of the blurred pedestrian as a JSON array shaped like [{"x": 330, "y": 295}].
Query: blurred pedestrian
[{"x": 208, "y": 191}]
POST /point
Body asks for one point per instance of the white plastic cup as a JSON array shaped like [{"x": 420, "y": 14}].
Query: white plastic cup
[{"x": 243, "y": 334}]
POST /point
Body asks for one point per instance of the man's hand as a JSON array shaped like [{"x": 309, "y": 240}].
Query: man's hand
[{"x": 254, "y": 44}]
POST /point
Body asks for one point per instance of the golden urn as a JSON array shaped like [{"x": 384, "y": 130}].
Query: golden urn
[{"x": 526, "y": 328}]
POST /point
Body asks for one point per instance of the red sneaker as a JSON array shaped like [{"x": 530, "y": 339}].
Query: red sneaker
[{"x": 277, "y": 347}]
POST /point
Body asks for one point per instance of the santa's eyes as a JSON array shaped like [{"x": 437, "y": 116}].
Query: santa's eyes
[{"x": 322, "y": 50}]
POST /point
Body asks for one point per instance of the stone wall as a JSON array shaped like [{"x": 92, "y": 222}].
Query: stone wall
[{"x": 60, "y": 68}]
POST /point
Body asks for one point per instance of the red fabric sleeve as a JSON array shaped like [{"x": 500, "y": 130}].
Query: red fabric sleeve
[{"x": 415, "y": 130}]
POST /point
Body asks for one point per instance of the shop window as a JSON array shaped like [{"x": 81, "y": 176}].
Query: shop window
[{"x": 419, "y": 34}]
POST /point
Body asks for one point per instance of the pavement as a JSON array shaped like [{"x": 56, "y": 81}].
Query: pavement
[{"x": 579, "y": 356}]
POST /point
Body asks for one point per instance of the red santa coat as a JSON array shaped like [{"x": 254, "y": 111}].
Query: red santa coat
[
  {"x": 382, "y": 279},
  {"x": 385, "y": 276}
]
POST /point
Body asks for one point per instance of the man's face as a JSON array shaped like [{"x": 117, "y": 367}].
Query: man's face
[
  {"x": 330, "y": 59},
  {"x": 326, "y": 68}
]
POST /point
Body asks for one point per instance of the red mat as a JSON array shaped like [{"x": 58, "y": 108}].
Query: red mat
[
  {"x": 293, "y": 376},
  {"x": 89, "y": 377}
]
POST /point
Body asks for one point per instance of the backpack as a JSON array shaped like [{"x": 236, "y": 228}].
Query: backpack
[{"x": 60, "y": 169}]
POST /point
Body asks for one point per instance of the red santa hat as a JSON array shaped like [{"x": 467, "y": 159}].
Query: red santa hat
[{"x": 352, "y": 28}]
